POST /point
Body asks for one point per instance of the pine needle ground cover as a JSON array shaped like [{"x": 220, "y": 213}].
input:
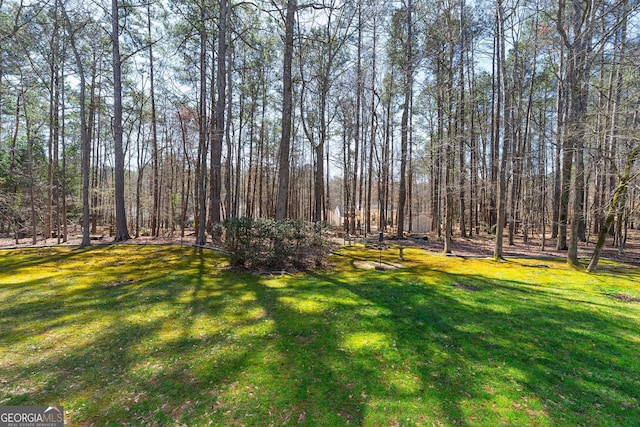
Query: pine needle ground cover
[{"x": 163, "y": 335}]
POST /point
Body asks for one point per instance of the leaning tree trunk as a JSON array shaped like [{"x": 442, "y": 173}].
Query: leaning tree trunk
[{"x": 614, "y": 206}]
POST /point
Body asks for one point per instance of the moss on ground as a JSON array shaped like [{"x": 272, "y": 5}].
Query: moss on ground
[{"x": 167, "y": 335}]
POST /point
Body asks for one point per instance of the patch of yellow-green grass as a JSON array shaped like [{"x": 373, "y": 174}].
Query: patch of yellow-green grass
[{"x": 164, "y": 335}]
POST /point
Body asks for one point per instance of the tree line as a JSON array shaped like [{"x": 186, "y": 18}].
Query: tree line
[{"x": 510, "y": 118}]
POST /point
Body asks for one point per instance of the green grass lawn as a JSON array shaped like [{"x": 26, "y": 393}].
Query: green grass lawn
[{"x": 163, "y": 335}]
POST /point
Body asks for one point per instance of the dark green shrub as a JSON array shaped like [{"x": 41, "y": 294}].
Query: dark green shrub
[{"x": 269, "y": 244}]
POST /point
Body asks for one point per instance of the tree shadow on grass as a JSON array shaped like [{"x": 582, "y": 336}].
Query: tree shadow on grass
[
  {"x": 198, "y": 345},
  {"x": 14, "y": 259},
  {"x": 95, "y": 344},
  {"x": 60, "y": 295},
  {"x": 317, "y": 382},
  {"x": 417, "y": 362},
  {"x": 194, "y": 346},
  {"x": 553, "y": 362}
]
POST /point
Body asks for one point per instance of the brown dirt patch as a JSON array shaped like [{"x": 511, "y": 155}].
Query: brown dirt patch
[
  {"x": 371, "y": 265},
  {"x": 624, "y": 297}
]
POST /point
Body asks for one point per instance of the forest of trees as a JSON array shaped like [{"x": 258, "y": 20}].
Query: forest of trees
[{"x": 518, "y": 119}]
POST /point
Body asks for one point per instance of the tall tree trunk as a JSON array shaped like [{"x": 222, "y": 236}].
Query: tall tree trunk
[
  {"x": 384, "y": 194},
  {"x": 496, "y": 108},
  {"x": 555, "y": 208},
  {"x": 357, "y": 131},
  {"x": 122, "y": 233},
  {"x": 318, "y": 183},
  {"x": 12, "y": 158},
  {"x": 542, "y": 166},
  {"x": 201, "y": 167},
  {"x": 84, "y": 132},
  {"x": 578, "y": 87},
  {"x": 557, "y": 181},
  {"x": 372, "y": 138},
  {"x": 449, "y": 150},
  {"x": 404, "y": 129},
  {"x": 219, "y": 122},
  {"x": 63, "y": 189},
  {"x": 461, "y": 123},
  {"x": 186, "y": 182},
  {"x": 439, "y": 148},
  {"x": 614, "y": 101},
  {"x": 249, "y": 188},
  {"x": 526, "y": 152},
  {"x": 287, "y": 104},
  {"x": 235, "y": 213},
  {"x": 565, "y": 189},
  {"x": 346, "y": 188},
  {"x": 327, "y": 202},
  {"x": 91, "y": 126},
  {"x": 54, "y": 116},
  {"x": 474, "y": 225},
  {"x": 518, "y": 142},
  {"x": 155, "y": 214},
  {"x": 32, "y": 202},
  {"x": 507, "y": 137},
  {"x": 260, "y": 174}
]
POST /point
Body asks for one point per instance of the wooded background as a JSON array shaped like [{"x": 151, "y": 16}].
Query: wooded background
[{"x": 456, "y": 117}]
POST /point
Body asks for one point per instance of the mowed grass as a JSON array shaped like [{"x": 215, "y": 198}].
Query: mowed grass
[{"x": 163, "y": 335}]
